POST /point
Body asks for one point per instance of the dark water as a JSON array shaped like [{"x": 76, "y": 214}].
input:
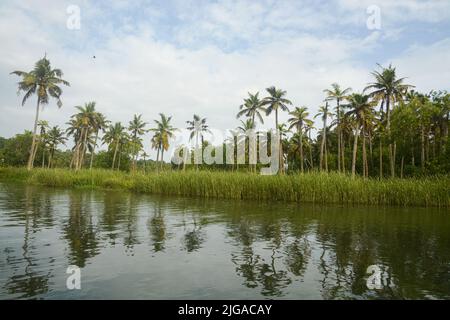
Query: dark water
[{"x": 145, "y": 247}]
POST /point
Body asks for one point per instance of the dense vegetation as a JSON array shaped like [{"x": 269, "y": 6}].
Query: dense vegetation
[
  {"x": 388, "y": 130},
  {"x": 309, "y": 187}
]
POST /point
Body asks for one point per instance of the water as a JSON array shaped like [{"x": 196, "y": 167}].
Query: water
[{"x": 132, "y": 246}]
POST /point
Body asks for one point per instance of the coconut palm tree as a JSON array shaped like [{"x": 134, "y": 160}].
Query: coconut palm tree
[
  {"x": 252, "y": 108},
  {"x": 56, "y": 137},
  {"x": 100, "y": 124},
  {"x": 336, "y": 93},
  {"x": 299, "y": 115},
  {"x": 137, "y": 129},
  {"x": 198, "y": 128},
  {"x": 388, "y": 89},
  {"x": 86, "y": 120},
  {"x": 45, "y": 83},
  {"x": 113, "y": 137},
  {"x": 274, "y": 102},
  {"x": 360, "y": 108},
  {"x": 324, "y": 113},
  {"x": 164, "y": 131}
]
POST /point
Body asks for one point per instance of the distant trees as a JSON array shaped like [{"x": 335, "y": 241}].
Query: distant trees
[{"x": 358, "y": 132}]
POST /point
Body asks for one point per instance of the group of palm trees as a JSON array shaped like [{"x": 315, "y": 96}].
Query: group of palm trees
[{"x": 404, "y": 118}]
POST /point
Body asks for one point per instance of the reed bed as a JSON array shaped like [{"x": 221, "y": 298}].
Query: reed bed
[{"x": 321, "y": 188}]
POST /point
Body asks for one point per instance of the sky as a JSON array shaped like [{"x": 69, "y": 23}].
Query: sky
[{"x": 185, "y": 57}]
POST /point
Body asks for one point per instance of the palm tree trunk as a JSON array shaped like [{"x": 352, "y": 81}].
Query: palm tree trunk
[
  {"x": 93, "y": 150},
  {"x": 343, "y": 153},
  {"x": 157, "y": 156},
  {"x": 162, "y": 157},
  {"x": 381, "y": 159},
  {"x": 401, "y": 167},
  {"x": 33, "y": 142},
  {"x": 43, "y": 158},
  {"x": 355, "y": 147},
  {"x": 115, "y": 154},
  {"x": 301, "y": 147},
  {"x": 365, "y": 169},
  {"x": 84, "y": 149},
  {"x": 120, "y": 158},
  {"x": 338, "y": 134},
  {"x": 388, "y": 127},
  {"x": 322, "y": 145}
]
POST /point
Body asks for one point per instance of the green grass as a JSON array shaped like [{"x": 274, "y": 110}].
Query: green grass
[{"x": 331, "y": 188}]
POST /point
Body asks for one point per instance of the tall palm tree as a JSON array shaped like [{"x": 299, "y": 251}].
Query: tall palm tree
[
  {"x": 252, "y": 108},
  {"x": 275, "y": 101},
  {"x": 338, "y": 94},
  {"x": 244, "y": 128},
  {"x": 360, "y": 108},
  {"x": 113, "y": 137},
  {"x": 45, "y": 83},
  {"x": 198, "y": 128},
  {"x": 87, "y": 118},
  {"x": 324, "y": 113},
  {"x": 137, "y": 129},
  {"x": 56, "y": 137},
  {"x": 299, "y": 115},
  {"x": 388, "y": 89},
  {"x": 164, "y": 131},
  {"x": 100, "y": 124}
]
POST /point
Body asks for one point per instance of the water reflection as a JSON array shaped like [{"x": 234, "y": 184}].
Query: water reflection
[{"x": 249, "y": 250}]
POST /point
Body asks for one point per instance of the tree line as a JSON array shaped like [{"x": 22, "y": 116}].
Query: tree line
[{"x": 388, "y": 129}]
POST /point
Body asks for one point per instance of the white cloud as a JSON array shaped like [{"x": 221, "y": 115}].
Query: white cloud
[{"x": 137, "y": 73}]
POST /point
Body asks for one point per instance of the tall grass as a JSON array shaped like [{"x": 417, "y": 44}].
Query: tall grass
[{"x": 321, "y": 188}]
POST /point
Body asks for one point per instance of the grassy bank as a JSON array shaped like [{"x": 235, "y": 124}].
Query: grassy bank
[{"x": 311, "y": 187}]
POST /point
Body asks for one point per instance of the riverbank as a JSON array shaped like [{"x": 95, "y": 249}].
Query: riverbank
[{"x": 320, "y": 188}]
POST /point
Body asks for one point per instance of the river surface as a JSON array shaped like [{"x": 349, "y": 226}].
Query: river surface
[{"x": 133, "y": 246}]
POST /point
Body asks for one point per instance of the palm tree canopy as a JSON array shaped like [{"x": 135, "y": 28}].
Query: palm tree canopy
[
  {"x": 252, "y": 107},
  {"x": 276, "y": 100},
  {"x": 387, "y": 85},
  {"x": 299, "y": 115},
  {"x": 197, "y": 126},
  {"x": 43, "y": 81}
]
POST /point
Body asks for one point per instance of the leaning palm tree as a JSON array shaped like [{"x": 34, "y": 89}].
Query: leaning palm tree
[
  {"x": 45, "y": 83},
  {"x": 324, "y": 113},
  {"x": 198, "y": 128},
  {"x": 299, "y": 115},
  {"x": 275, "y": 101},
  {"x": 56, "y": 137},
  {"x": 360, "y": 108},
  {"x": 336, "y": 93},
  {"x": 388, "y": 89},
  {"x": 252, "y": 108},
  {"x": 137, "y": 129}
]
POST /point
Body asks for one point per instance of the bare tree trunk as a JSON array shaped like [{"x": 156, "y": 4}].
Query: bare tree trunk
[
  {"x": 115, "y": 154},
  {"x": 355, "y": 147},
  {"x": 381, "y": 159},
  {"x": 422, "y": 155},
  {"x": 338, "y": 135},
  {"x": 93, "y": 150},
  {"x": 364, "y": 153},
  {"x": 33, "y": 142},
  {"x": 301, "y": 147},
  {"x": 401, "y": 167}
]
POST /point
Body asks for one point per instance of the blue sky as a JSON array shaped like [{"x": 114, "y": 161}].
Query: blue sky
[{"x": 196, "y": 56}]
